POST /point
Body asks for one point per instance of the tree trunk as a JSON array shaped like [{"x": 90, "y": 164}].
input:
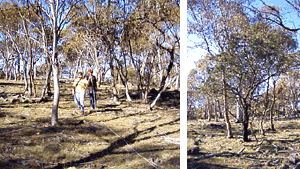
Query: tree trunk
[
  {"x": 30, "y": 73},
  {"x": 239, "y": 113},
  {"x": 34, "y": 71},
  {"x": 216, "y": 112},
  {"x": 123, "y": 78},
  {"x": 147, "y": 88},
  {"x": 25, "y": 75},
  {"x": 245, "y": 124},
  {"x": 113, "y": 81},
  {"x": 219, "y": 109},
  {"x": 266, "y": 108},
  {"x": 47, "y": 81},
  {"x": 18, "y": 68},
  {"x": 33, "y": 89},
  {"x": 76, "y": 67},
  {"x": 161, "y": 90},
  {"x": 15, "y": 70},
  {"x": 127, "y": 92},
  {"x": 208, "y": 109},
  {"x": 177, "y": 77},
  {"x": 30, "y": 86},
  {"x": 10, "y": 72},
  {"x": 155, "y": 100},
  {"x": 163, "y": 84},
  {"x": 228, "y": 125},
  {"x": 54, "y": 115},
  {"x": 262, "y": 126},
  {"x": 177, "y": 83},
  {"x": 272, "y": 108},
  {"x": 145, "y": 96},
  {"x": 98, "y": 66}
]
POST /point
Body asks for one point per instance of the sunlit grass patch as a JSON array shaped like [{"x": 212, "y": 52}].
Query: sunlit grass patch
[{"x": 93, "y": 140}]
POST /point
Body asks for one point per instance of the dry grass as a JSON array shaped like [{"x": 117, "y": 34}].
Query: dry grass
[
  {"x": 95, "y": 140},
  {"x": 213, "y": 140}
]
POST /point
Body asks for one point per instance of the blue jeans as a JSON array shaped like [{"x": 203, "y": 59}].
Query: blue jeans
[
  {"x": 79, "y": 99},
  {"x": 93, "y": 100}
]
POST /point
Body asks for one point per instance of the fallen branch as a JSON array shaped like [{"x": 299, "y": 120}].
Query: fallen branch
[
  {"x": 20, "y": 129},
  {"x": 98, "y": 127},
  {"x": 219, "y": 154},
  {"x": 257, "y": 144},
  {"x": 277, "y": 148},
  {"x": 261, "y": 142},
  {"x": 241, "y": 150},
  {"x": 172, "y": 140}
]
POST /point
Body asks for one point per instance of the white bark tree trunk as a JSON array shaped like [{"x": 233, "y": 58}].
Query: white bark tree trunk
[{"x": 54, "y": 116}]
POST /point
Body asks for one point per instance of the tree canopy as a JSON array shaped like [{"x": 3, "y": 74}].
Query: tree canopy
[{"x": 244, "y": 51}]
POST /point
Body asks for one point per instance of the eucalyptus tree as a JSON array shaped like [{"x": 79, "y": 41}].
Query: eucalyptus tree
[
  {"x": 214, "y": 73},
  {"x": 121, "y": 35},
  {"x": 213, "y": 21},
  {"x": 259, "y": 53},
  {"x": 57, "y": 14},
  {"x": 17, "y": 29},
  {"x": 277, "y": 15},
  {"x": 74, "y": 51},
  {"x": 103, "y": 23},
  {"x": 163, "y": 18},
  {"x": 10, "y": 23},
  {"x": 247, "y": 50},
  {"x": 143, "y": 53},
  {"x": 288, "y": 92},
  {"x": 54, "y": 13},
  {"x": 193, "y": 92},
  {"x": 31, "y": 35}
]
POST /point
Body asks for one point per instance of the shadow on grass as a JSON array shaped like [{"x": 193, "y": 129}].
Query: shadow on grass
[
  {"x": 7, "y": 105},
  {"x": 52, "y": 138},
  {"x": 11, "y": 84},
  {"x": 145, "y": 151},
  {"x": 192, "y": 164},
  {"x": 130, "y": 139},
  {"x": 128, "y": 115}
]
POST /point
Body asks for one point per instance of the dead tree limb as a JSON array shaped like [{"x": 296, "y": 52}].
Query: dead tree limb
[
  {"x": 257, "y": 144},
  {"x": 220, "y": 154}
]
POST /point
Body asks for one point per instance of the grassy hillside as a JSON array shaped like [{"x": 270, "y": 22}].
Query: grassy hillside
[
  {"x": 124, "y": 135},
  {"x": 277, "y": 149}
]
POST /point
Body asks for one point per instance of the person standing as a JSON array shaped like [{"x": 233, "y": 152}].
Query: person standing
[
  {"x": 79, "y": 87},
  {"x": 92, "y": 85}
]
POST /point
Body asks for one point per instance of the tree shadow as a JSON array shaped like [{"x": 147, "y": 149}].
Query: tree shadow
[
  {"x": 130, "y": 139},
  {"x": 15, "y": 135},
  {"x": 11, "y": 84},
  {"x": 118, "y": 117},
  {"x": 202, "y": 165},
  {"x": 145, "y": 151}
]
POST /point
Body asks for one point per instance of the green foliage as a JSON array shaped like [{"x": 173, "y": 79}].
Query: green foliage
[{"x": 243, "y": 53}]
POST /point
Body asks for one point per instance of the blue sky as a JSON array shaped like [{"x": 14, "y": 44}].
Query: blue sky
[{"x": 194, "y": 54}]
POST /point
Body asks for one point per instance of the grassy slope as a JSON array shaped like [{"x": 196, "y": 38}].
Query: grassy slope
[
  {"x": 27, "y": 139},
  {"x": 213, "y": 140}
]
